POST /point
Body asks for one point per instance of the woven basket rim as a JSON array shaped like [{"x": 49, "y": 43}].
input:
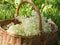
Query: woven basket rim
[{"x": 13, "y": 35}]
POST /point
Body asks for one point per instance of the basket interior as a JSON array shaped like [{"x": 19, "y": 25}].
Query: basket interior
[{"x": 6, "y": 22}]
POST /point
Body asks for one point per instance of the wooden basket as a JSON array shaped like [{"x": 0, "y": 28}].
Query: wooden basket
[{"x": 48, "y": 38}]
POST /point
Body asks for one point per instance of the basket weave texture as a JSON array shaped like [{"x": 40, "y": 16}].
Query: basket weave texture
[{"x": 49, "y": 38}]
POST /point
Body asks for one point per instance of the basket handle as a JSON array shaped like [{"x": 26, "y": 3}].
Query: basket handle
[{"x": 35, "y": 8}]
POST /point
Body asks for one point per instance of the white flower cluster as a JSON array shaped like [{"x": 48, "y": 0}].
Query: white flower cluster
[
  {"x": 46, "y": 26},
  {"x": 29, "y": 26}
]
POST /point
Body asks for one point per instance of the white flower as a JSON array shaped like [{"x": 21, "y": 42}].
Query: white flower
[{"x": 29, "y": 26}]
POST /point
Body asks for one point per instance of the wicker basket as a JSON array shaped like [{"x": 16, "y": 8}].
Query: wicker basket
[{"x": 48, "y": 38}]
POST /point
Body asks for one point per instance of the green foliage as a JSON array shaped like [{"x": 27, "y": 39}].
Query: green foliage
[
  {"x": 38, "y": 3},
  {"x": 7, "y": 10},
  {"x": 25, "y": 9},
  {"x": 10, "y": 1}
]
